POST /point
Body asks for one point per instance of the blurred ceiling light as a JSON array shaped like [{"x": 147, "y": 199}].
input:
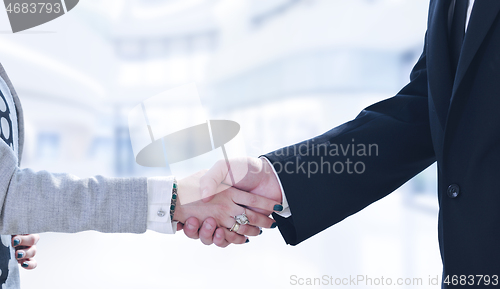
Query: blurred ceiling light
[
  {"x": 36, "y": 58},
  {"x": 111, "y": 9},
  {"x": 164, "y": 10}
]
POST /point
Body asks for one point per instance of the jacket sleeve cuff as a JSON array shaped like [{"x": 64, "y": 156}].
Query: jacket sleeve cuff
[{"x": 285, "y": 213}]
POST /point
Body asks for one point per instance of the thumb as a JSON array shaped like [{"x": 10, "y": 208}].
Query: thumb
[{"x": 210, "y": 182}]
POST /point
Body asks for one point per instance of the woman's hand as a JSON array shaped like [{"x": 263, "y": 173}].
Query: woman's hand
[
  {"x": 25, "y": 246},
  {"x": 227, "y": 204}
]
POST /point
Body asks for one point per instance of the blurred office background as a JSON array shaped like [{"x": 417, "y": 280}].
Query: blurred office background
[{"x": 286, "y": 70}]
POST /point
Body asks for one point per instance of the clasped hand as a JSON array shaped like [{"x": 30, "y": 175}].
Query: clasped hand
[{"x": 216, "y": 203}]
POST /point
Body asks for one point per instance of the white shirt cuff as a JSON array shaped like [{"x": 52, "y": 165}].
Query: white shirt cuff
[
  {"x": 286, "y": 209},
  {"x": 159, "y": 197}
]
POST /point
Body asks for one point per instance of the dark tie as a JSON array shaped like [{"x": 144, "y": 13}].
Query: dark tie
[{"x": 457, "y": 32}]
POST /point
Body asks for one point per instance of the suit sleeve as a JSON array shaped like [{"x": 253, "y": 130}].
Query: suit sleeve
[
  {"x": 35, "y": 202},
  {"x": 334, "y": 175}
]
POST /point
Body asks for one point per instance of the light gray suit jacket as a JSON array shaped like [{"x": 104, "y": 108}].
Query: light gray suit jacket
[{"x": 34, "y": 202}]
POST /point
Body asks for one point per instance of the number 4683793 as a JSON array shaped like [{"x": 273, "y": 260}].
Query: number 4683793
[
  {"x": 32, "y": 8},
  {"x": 471, "y": 280}
]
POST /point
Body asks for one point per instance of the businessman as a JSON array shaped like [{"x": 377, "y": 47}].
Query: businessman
[{"x": 449, "y": 113}]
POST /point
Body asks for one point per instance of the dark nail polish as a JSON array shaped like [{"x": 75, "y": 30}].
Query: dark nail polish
[
  {"x": 260, "y": 232},
  {"x": 25, "y": 265},
  {"x": 274, "y": 225},
  {"x": 16, "y": 242},
  {"x": 278, "y": 208},
  {"x": 248, "y": 240},
  {"x": 20, "y": 255}
]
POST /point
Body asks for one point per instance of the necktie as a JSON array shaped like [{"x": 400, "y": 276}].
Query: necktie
[{"x": 457, "y": 32}]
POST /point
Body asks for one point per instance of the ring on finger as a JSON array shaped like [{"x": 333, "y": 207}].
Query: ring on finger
[
  {"x": 235, "y": 227},
  {"x": 242, "y": 219}
]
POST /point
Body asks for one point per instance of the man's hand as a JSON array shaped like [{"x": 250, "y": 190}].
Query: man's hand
[
  {"x": 219, "y": 212},
  {"x": 25, "y": 246},
  {"x": 259, "y": 179}
]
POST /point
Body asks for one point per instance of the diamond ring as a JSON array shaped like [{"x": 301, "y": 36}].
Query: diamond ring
[{"x": 241, "y": 219}]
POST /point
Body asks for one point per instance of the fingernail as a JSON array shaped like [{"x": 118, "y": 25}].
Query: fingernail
[
  {"x": 218, "y": 235},
  {"x": 208, "y": 226},
  {"x": 247, "y": 241},
  {"x": 274, "y": 225},
  {"x": 20, "y": 254},
  {"x": 204, "y": 194},
  {"x": 25, "y": 265},
  {"x": 278, "y": 208},
  {"x": 189, "y": 226},
  {"x": 16, "y": 242},
  {"x": 260, "y": 232}
]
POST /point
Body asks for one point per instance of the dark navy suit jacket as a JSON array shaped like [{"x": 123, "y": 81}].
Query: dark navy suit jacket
[{"x": 438, "y": 116}]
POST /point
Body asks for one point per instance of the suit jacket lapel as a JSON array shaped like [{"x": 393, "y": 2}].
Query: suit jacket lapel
[
  {"x": 483, "y": 14},
  {"x": 439, "y": 70}
]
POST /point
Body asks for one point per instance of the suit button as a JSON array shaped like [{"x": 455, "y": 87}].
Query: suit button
[{"x": 453, "y": 191}]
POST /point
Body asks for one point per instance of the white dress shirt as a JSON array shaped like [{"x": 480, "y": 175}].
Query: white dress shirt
[
  {"x": 159, "y": 197},
  {"x": 469, "y": 11}
]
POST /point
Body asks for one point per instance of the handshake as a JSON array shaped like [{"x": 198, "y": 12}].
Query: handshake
[{"x": 224, "y": 212}]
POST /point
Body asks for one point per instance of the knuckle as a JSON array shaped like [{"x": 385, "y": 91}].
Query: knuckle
[
  {"x": 212, "y": 221},
  {"x": 206, "y": 232},
  {"x": 192, "y": 223},
  {"x": 29, "y": 240}
]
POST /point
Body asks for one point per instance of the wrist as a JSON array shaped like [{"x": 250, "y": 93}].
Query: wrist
[
  {"x": 179, "y": 214},
  {"x": 188, "y": 192},
  {"x": 272, "y": 181}
]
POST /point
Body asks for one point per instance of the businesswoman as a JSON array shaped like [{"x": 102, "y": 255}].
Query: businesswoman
[{"x": 35, "y": 202}]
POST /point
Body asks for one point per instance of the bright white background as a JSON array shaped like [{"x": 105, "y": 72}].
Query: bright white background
[{"x": 286, "y": 70}]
